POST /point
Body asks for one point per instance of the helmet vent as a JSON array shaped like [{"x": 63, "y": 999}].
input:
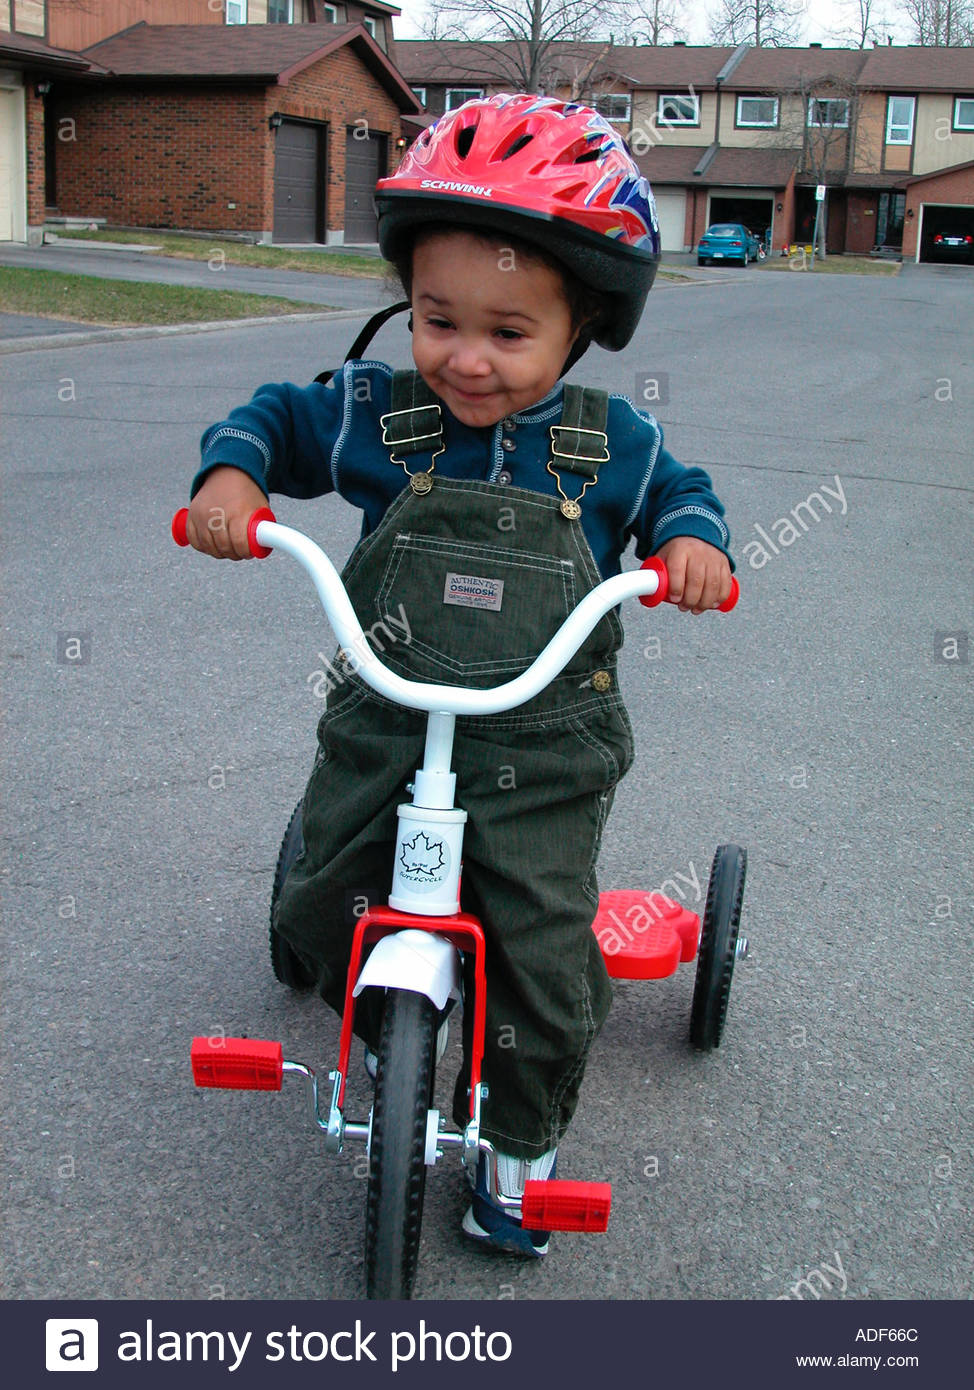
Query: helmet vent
[
  {"x": 518, "y": 144},
  {"x": 465, "y": 140}
]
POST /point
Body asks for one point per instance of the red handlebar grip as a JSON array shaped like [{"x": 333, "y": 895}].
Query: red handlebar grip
[
  {"x": 237, "y": 1064},
  {"x": 731, "y": 600},
  {"x": 260, "y": 552},
  {"x": 178, "y": 527},
  {"x": 651, "y": 600},
  {"x": 560, "y": 1205}
]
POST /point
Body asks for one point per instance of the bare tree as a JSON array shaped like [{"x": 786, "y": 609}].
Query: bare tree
[
  {"x": 939, "y": 23},
  {"x": 766, "y": 23},
  {"x": 527, "y": 44},
  {"x": 862, "y": 22},
  {"x": 820, "y": 116},
  {"x": 654, "y": 22}
]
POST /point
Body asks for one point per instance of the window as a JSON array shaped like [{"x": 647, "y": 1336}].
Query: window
[
  {"x": 420, "y": 94},
  {"x": 614, "y": 106},
  {"x": 280, "y": 11},
  {"x": 369, "y": 25},
  {"x": 828, "y": 111},
  {"x": 330, "y": 13},
  {"x": 757, "y": 111},
  {"x": 456, "y": 96},
  {"x": 964, "y": 113},
  {"x": 899, "y": 120},
  {"x": 679, "y": 109},
  {"x": 236, "y": 11}
]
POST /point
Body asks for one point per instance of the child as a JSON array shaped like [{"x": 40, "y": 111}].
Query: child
[{"x": 522, "y": 231}]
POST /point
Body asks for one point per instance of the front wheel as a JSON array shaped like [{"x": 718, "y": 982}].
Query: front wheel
[
  {"x": 718, "y": 946},
  {"x": 397, "y": 1153}
]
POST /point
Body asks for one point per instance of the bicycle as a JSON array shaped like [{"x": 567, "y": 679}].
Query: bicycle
[{"x": 418, "y": 938}]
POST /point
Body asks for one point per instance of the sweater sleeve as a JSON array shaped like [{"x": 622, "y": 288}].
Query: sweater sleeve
[
  {"x": 679, "y": 501},
  {"x": 283, "y": 439}
]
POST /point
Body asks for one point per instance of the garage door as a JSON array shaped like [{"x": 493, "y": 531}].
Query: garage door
[
  {"x": 13, "y": 210},
  {"x": 365, "y": 162},
  {"x": 298, "y": 186},
  {"x": 947, "y": 233},
  {"x": 671, "y": 210}
]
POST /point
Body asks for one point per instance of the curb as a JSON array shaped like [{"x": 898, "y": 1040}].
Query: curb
[{"x": 110, "y": 335}]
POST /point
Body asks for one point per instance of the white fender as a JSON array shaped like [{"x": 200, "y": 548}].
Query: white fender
[{"x": 417, "y": 960}]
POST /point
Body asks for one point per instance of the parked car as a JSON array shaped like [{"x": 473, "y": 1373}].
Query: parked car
[
  {"x": 727, "y": 241},
  {"x": 954, "y": 245}
]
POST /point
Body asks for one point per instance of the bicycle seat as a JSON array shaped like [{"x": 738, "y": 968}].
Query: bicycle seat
[{"x": 644, "y": 936}]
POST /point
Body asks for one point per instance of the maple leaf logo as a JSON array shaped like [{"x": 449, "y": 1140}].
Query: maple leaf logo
[{"x": 422, "y": 856}]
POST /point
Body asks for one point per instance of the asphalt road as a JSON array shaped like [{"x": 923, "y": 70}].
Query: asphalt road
[{"x": 160, "y": 726}]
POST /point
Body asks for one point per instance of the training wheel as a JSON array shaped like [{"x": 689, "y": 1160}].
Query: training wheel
[{"x": 718, "y": 946}]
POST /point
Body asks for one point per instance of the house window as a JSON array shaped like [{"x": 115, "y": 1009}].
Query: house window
[
  {"x": 899, "y": 120},
  {"x": 280, "y": 11},
  {"x": 456, "y": 96},
  {"x": 331, "y": 14},
  {"x": 832, "y": 112},
  {"x": 757, "y": 111},
  {"x": 964, "y": 113},
  {"x": 614, "y": 106},
  {"x": 420, "y": 94},
  {"x": 236, "y": 11},
  {"x": 369, "y": 25},
  {"x": 679, "y": 109}
]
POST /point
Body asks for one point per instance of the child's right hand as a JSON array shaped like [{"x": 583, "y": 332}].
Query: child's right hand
[{"x": 218, "y": 514}]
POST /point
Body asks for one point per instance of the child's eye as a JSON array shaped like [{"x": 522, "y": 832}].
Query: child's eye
[
  {"x": 510, "y": 335},
  {"x": 439, "y": 323}
]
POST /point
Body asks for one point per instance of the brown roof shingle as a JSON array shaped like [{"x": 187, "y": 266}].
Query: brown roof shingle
[
  {"x": 793, "y": 69},
  {"x": 915, "y": 69}
]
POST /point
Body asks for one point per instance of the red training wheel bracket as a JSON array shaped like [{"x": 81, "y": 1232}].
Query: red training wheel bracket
[
  {"x": 178, "y": 527},
  {"x": 651, "y": 600},
  {"x": 260, "y": 552}
]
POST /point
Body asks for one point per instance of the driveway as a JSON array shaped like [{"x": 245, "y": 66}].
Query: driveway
[{"x": 161, "y": 713}]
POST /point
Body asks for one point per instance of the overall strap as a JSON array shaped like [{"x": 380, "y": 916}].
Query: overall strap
[
  {"x": 579, "y": 442},
  {"x": 415, "y": 423}
]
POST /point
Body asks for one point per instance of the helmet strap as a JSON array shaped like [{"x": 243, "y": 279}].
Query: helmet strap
[{"x": 368, "y": 333}]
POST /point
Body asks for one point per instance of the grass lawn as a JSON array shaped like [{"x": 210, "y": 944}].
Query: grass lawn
[
  {"x": 124, "y": 303},
  {"x": 834, "y": 265},
  {"x": 240, "y": 253}
]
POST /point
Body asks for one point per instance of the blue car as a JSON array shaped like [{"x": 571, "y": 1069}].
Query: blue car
[{"x": 727, "y": 241}]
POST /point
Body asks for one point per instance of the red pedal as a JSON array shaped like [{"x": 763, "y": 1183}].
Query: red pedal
[
  {"x": 559, "y": 1205},
  {"x": 644, "y": 936},
  {"x": 237, "y": 1064}
]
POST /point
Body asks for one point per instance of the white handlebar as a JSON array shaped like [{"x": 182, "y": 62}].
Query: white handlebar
[{"x": 451, "y": 699}]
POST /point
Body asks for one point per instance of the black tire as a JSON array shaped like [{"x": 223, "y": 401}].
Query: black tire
[
  {"x": 718, "y": 946},
  {"x": 701, "y": 260},
  {"x": 397, "y": 1167},
  {"x": 286, "y": 964}
]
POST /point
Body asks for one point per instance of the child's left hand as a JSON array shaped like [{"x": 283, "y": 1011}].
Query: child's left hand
[{"x": 700, "y": 575}]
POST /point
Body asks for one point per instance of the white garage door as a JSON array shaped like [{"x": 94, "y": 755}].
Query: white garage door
[
  {"x": 13, "y": 210},
  {"x": 671, "y": 209}
]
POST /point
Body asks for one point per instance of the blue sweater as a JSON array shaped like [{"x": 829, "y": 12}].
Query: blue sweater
[{"x": 304, "y": 442}]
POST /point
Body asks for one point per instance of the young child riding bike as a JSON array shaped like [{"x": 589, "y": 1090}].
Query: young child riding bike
[{"x": 494, "y": 498}]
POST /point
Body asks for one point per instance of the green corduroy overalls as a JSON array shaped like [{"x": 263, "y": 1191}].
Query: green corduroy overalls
[{"x": 536, "y": 782}]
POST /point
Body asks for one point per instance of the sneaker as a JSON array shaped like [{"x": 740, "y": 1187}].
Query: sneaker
[
  {"x": 493, "y": 1227},
  {"x": 442, "y": 1038}
]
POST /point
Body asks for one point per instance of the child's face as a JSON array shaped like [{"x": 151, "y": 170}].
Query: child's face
[{"x": 491, "y": 329}]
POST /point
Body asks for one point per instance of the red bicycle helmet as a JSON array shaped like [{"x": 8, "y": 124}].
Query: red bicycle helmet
[{"x": 551, "y": 172}]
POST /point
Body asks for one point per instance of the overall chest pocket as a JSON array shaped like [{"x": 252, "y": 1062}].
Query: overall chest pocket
[{"x": 470, "y": 614}]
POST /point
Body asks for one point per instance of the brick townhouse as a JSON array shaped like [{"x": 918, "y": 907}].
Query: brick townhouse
[
  {"x": 273, "y": 118},
  {"x": 748, "y": 134},
  {"x": 270, "y": 120}
]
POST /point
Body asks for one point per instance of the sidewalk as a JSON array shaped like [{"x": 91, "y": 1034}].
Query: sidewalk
[{"x": 345, "y": 292}]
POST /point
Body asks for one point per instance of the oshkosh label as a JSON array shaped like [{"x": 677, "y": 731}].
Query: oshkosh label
[{"x": 474, "y": 591}]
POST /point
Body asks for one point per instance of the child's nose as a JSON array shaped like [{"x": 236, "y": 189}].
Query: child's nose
[{"x": 468, "y": 358}]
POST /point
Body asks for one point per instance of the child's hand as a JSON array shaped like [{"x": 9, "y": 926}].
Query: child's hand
[
  {"x": 218, "y": 514},
  {"x": 700, "y": 575}
]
